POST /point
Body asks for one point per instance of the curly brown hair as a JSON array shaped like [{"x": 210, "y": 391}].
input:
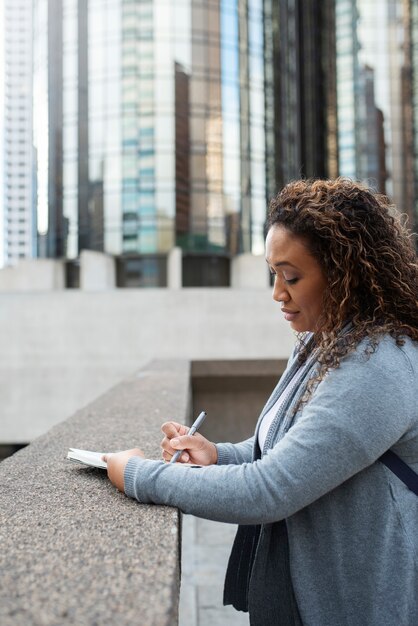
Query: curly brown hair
[{"x": 367, "y": 255}]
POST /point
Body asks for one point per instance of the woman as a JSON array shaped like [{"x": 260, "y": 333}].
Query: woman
[{"x": 328, "y": 534}]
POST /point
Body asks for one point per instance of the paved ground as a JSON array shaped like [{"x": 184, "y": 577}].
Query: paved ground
[{"x": 205, "y": 552}]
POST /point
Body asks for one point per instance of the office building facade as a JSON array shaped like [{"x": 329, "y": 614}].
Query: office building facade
[
  {"x": 173, "y": 125},
  {"x": 410, "y": 113},
  {"x": 301, "y": 111},
  {"x": 19, "y": 211},
  {"x": 150, "y": 130},
  {"x": 414, "y": 55},
  {"x": 377, "y": 102},
  {"x": 348, "y": 79}
]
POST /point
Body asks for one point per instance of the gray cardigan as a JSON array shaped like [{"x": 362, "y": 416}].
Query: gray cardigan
[{"x": 352, "y": 524}]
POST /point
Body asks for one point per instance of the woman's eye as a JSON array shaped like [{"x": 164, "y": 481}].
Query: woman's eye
[{"x": 288, "y": 281}]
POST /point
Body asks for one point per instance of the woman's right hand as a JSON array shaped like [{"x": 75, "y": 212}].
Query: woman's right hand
[{"x": 198, "y": 449}]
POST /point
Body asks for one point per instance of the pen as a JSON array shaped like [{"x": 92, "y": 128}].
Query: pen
[{"x": 195, "y": 426}]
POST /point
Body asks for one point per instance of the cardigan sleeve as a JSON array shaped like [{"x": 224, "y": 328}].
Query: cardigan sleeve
[
  {"x": 235, "y": 453},
  {"x": 357, "y": 412}
]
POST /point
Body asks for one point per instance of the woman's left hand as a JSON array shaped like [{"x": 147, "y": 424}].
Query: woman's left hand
[{"x": 116, "y": 463}]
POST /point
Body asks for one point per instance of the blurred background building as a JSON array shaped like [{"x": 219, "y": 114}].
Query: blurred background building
[
  {"x": 19, "y": 166},
  {"x": 301, "y": 99},
  {"x": 377, "y": 65},
  {"x": 135, "y": 126},
  {"x": 410, "y": 109},
  {"x": 172, "y": 125},
  {"x": 159, "y": 119},
  {"x": 156, "y": 126}
]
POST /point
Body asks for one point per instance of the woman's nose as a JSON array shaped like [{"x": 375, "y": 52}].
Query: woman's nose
[{"x": 280, "y": 293}]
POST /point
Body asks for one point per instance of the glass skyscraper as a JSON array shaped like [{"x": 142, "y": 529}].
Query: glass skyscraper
[
  {"x": 149, "y": 121},
  {"x": 158, "y": 123},
  {"x": 348, "y": 77},
  {"x": 377, "y": 103},
  {"x": 301, "y": 111},
  {"x": 412, "y": 103}
]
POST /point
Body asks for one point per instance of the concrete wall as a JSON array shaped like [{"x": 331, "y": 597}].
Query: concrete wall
[
  {"x": 75, "y": 551},
  {"x": 60, "y": 350}
]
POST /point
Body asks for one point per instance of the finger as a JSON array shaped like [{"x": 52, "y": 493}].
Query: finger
[
  {"x": 184, "y": 457},
  {"x": 166, "y": 456},
  {"x": 192, "y": 442},
  {"x": 166, "y": 445},
  {"x": 173, "y": 429},
  {"x": 170, "y": 429}
]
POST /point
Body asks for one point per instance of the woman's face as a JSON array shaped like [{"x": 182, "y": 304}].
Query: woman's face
[{"x": 299, "y": 282}]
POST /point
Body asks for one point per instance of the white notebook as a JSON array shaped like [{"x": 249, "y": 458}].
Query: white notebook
[
  {"x": 87, "y": 457},
  {"x": 94, "y": 459}
]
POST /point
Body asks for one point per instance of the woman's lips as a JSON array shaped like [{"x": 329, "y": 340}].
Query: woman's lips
[{"x": 290, "y": 315}]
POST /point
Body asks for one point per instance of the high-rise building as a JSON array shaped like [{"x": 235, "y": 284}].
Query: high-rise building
[
  {"x": 408, "y": 117},
  {"x": 381, "y": 37},
  {"x": 371, "y": 137},
  {"x": 150, "y": 125},
  {"x": 300, "y": 90},
  {"x": 414, "y": 37},
  {"x": 348, "y": 80},
  {"x": 173, "y": 124},
  {"x": 19, "y": 215},
  {"x": 410, "y": 112},
  {"x": 375, "y": 95}
]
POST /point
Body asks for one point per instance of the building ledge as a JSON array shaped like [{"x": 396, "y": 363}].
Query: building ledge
[{"x": 73, "y": 549}]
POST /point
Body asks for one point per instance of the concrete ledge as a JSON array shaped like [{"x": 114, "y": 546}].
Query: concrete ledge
[
  {"x": 33, "y": 275},
  {"x": 73, "y": 549}
]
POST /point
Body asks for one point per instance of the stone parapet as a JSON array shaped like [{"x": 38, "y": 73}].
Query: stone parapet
[{"x": 73, "y": 549}]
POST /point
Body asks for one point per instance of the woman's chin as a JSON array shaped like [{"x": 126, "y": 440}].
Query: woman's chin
[{"x": 299, "y": 327}]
